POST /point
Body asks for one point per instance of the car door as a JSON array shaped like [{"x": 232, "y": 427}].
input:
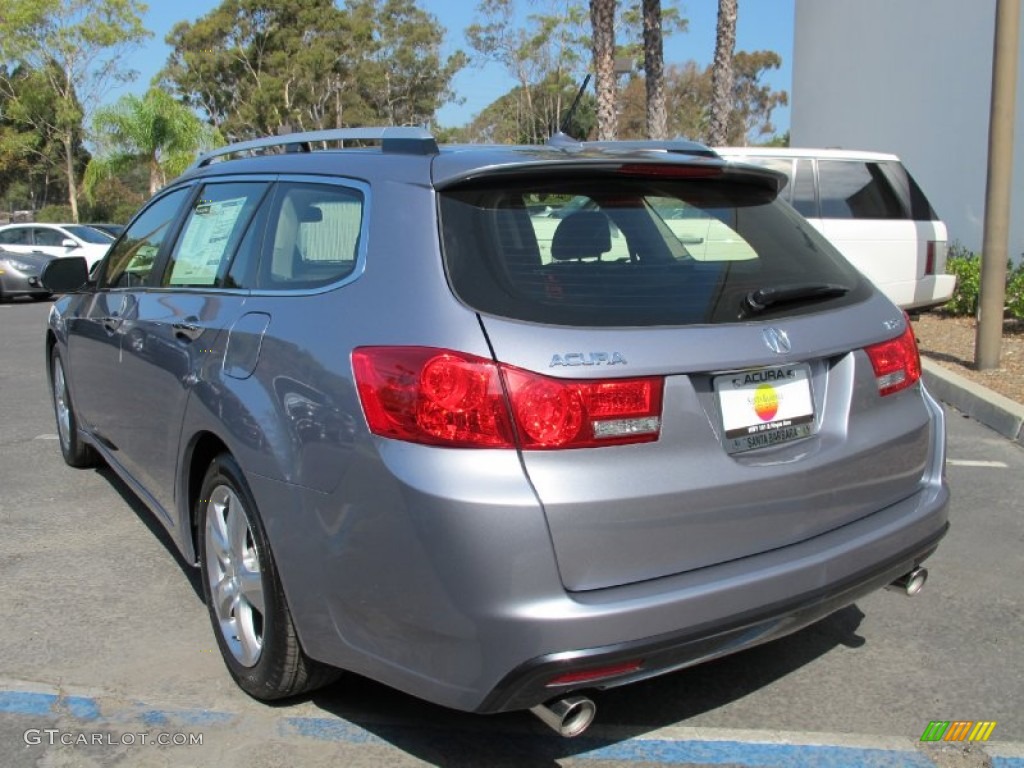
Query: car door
[
  {"x": 16, "y": 239},
  {"x": 49, "y": 241},
  {"x": 103, "y": 400},
  {"x": 174, "y": 338}
]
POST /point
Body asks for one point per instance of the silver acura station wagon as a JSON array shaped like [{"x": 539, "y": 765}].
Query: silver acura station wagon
[{"x": 498, "y": 426}]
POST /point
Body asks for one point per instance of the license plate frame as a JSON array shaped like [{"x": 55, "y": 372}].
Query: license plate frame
[{"x": 762, "y": 407}]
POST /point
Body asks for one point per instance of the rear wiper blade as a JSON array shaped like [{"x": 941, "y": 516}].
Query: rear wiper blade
[{"x": 762, "y": 298}]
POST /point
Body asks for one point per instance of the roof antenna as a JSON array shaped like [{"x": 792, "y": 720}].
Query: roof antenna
[{"x": 561, "y": 137}]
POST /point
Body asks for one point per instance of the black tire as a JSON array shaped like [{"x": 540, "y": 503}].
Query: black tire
[
  {"x": 76, "y": 452},
  {"x": 260, "y": 648},
  {"x": 42, "y": 296}
]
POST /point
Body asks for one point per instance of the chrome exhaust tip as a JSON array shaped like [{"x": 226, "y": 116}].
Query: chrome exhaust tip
[
  {"x": 569, "y": 717},
  {"x": 910, "y": 583}
]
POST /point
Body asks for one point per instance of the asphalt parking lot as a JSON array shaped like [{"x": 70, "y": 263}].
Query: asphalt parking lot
[{"x": 104, "y": 636}]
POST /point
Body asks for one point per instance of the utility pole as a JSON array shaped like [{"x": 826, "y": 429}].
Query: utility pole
[{"x": 1002, "y": 113}]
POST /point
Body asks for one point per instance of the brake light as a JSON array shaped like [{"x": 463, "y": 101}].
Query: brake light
[
  {"x": 897, "y": 363},
  {"x": 929, "y": 259},
  {"x": 670, "y": 170},
  {"x": 441, "y": 397}
]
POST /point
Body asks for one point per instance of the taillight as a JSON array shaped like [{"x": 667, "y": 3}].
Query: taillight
[
  {"x": 897, "y": 363},
  {"x": 441, "y": 397},
  {"x": 929, "y": 259},
  {"x": 432, "y": 396}
]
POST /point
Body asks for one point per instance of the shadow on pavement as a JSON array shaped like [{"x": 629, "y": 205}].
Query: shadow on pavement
[
  {"x": 155, "y": 527},
  {"x": 452, "y": 739}
]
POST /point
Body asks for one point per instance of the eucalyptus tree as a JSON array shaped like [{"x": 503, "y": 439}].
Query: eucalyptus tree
[{"x": 77, "y": 47}]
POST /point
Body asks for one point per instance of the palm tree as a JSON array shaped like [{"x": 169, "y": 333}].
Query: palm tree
[
  {"x": 602, "y": 20},
  {"x": 654, "y": 70},
  {"x": 721, "y": 73},
  {"x": 155, "y": 130}
]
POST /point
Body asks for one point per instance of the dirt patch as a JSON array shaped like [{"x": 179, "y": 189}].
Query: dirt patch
[{"x": 949, "y": 341}]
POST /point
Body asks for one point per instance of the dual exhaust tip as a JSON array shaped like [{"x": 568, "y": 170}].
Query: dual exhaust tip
[{"x": 572, "y": 715}]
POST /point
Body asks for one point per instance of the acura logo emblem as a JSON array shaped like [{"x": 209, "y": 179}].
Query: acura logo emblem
[{"x": 776, "y": 340}]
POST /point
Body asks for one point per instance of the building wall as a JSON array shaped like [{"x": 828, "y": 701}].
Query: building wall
[{"x": 911, "y": 77}]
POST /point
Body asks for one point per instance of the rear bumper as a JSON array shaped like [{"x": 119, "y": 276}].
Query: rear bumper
[
  {"x": 528, "y": 685},
  {"x": 925, "y": 293},
  {"x": 437, "y": 577}
]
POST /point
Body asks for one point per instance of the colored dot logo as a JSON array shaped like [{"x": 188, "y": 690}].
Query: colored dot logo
[{"x": 766, "y": 402}]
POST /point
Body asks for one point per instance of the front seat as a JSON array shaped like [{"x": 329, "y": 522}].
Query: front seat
[{"x": 582, "y": 235}]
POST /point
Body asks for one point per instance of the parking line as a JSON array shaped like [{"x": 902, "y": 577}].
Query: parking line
[
  {"x": 669, "y": 746},
  {"x": 972, "y": 463}
]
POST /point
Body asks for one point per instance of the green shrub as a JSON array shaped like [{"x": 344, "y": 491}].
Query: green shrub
[
  {"x": 55, "y": 214},
  {"x": 966, "y": 265},
  {"x": 967, "y": 268},
  {"x": 1015, "y": 292}
]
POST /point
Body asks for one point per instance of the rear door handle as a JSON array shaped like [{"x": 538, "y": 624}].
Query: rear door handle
[{"x": 187, "y": 330}]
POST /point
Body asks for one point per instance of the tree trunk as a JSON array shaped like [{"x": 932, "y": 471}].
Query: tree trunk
[
  {"x": 602, "y": 20},
  {"x": 721, "y": 73},
  {"x": 154, "y": 176},
  {"x": 68, "y": 140},
  {"x": 654, "y": 71}
]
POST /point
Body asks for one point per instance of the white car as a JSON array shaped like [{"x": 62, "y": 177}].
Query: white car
[
  {"x": 869, "y": 207},
  {"x": 56, "y": 240}
]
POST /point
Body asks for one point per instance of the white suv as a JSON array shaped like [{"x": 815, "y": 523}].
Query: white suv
[{"x": 869, "y": 206}]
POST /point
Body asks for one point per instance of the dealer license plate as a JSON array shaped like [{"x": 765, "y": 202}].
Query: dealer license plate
[{"x": 765, "y": 407}]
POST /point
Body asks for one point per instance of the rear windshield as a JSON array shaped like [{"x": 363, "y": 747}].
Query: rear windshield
[{"x": 613, "y": 251}]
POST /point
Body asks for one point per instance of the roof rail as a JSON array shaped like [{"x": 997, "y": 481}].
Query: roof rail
[{"x": 400, "y": 140}]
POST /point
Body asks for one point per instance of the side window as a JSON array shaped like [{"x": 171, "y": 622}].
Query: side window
[
  {"x": 854, "y": 190},
  {"x": 131, "y": 259},
  {"x": 16, "y": 236},
  {"x": 44, "y": 236},
  {"x": 313, "y": 235},
  {"x": 215, "y": 225},
  {"x": 804, "y": 199}
]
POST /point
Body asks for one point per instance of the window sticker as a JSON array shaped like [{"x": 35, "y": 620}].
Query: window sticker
[{"x": 204, "y": 243}]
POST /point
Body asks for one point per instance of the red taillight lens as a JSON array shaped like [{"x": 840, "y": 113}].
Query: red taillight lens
[
  {"x": 432, "y": 396},
  {"x": 556, "y": 413},
  {"x": 897, "y": 363},
  {"x": 441, "y": 397},
  {"x": 929, "y": 259}
]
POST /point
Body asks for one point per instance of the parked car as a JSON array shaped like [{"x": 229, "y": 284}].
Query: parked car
[
  {"x": 19, "y": 275},
  {"x": 400, "y": 436},
  {"x": 869, "y": 207},
  {"x": 56, "y": 240},
  {"x": 114, "y": 230}
]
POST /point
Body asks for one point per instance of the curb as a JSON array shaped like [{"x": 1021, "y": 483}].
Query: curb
[{"x": 990, "y": 408}]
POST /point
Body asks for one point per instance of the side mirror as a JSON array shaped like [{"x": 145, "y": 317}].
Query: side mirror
[
  {"x": 65, "y": 274},
  {"x": 67, "y": 242}
]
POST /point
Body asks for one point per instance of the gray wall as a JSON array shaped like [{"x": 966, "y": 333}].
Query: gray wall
[{"x": 912, "y": 77}]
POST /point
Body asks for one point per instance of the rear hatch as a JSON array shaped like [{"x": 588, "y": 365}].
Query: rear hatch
[{"x": 676, "y": 410}]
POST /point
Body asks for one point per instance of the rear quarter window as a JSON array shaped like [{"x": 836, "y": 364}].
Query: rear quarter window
[
  {"x": 854, "y": 190},
  {"x": 608, "y": 250}
]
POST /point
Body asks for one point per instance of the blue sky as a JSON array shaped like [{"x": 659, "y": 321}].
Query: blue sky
[{"x": 763, "y": 24}]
